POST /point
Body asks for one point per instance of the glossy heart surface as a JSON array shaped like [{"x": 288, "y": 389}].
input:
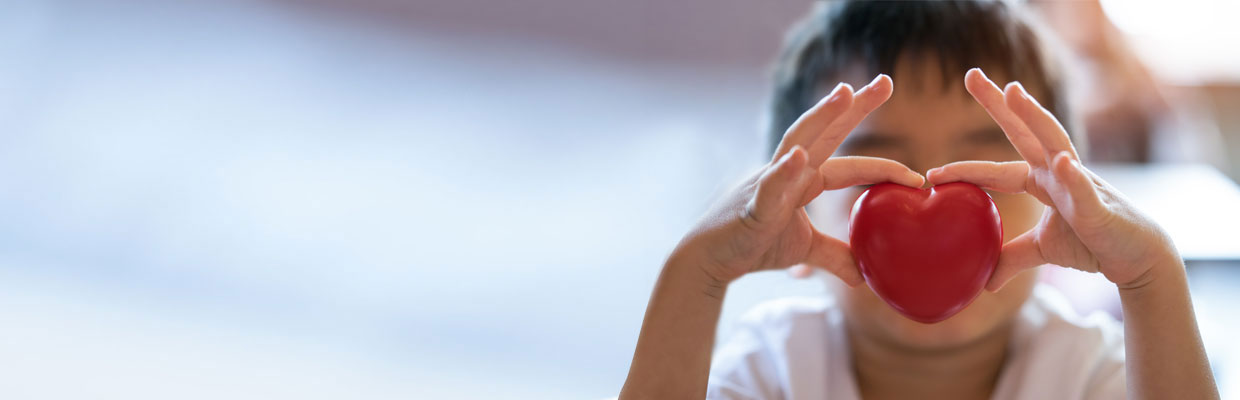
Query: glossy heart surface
[{"x": 926, "y": 252}]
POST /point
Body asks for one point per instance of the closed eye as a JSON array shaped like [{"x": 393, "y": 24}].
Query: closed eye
[
  {"x": 870, "y": 141},
  {"x": 988, "y": 136}
]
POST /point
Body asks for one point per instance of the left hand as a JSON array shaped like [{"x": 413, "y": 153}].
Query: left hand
[{"x": 1088, "y": 225}]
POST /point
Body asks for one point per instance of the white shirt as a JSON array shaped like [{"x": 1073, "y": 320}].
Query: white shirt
[{"x": 796, "y": 348}]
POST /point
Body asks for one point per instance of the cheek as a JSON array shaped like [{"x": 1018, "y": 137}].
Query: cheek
[
  {"x": 1020, "y": 212},
  {"x": 829, "y": 212},
  {"x": 1006, "y": 303}
]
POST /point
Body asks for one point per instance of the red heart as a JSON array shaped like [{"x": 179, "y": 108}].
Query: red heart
[{"x": 926, "y": 252}]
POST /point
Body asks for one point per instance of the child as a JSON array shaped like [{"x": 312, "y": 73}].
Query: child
[{"x": 1014, "y": 340}]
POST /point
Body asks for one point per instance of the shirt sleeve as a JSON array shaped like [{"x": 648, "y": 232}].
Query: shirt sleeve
[
  {"x": 744, "y": 366},
  {"x": 1108, "y": 380}
]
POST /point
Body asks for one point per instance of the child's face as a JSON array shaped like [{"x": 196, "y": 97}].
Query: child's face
[{"x": 924, "y": 126}]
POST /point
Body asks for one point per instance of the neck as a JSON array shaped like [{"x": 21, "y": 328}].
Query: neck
[{"x": 889, "y": 370}]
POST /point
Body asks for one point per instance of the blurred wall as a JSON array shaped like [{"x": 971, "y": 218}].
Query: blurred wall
[
  {"x": 713, "y": 34},
  {"x": 378, "y": 199}
]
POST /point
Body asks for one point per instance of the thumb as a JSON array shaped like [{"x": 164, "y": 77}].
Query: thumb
[{"x": 834, "y": 256}]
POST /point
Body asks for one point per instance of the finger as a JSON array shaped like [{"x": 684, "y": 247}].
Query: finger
[
  {"x": 864, "y": 102},
  {"x": 1018, "y": 254},
  {"x": 778, "y": 188},
  {"x": 842, "y": 172},
  {"x": 810, "y": 125},
  {"x": 1007, "y": 177},
  {"x": 834, "y": 256},
  {"x": 1082, "y": 203},
  {"x": 1041, "y": 123},
  {"x": 801, "y": 271},
  {"x": 991, "y": 99}
]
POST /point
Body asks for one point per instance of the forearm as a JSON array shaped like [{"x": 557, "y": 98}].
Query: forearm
[
  {"x": 1165, "y": 356},
  {"x": 672, "y": 359}
]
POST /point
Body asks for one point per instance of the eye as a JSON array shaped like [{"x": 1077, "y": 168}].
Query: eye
[
  {"x": 987, "y": 137},
  {"x": 870, "y": 142},
  {"x": 987, "y": 144}
]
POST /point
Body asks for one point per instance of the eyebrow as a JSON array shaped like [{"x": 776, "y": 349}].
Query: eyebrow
[
  {"x": 874, "y": 137},
  {"x": 870, "y": 137},
  {"x": 987, "y": 134}
]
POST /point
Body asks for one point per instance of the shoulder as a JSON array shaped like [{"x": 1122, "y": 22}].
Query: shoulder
[
  {"x": 791, "y": 322},
  {"x": 1098, "y": 331},
  {"x": 1053, "y": 343},
  {"x": 788, "y": 312},
  {"x": 755, "y": 358},
  {"x": 771, "y": 325},
  {"x": 1050, "y": 316}
]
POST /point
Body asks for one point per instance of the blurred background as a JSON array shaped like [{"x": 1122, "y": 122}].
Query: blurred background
[{"x": 470, "y": 198}]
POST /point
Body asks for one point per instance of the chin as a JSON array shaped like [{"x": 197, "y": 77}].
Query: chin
[{"x": 988, "y": 314}]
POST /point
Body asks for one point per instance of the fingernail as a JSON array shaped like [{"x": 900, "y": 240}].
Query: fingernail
[
  {"x": 834, "y": 92},
  {"x": 1075, "y": 164},
  {"x": 1064, "y": 154},
  {"x": 1024, "y": 93},
  {"x": 875, "y": 80},
  {"x": 840, "y": 93}
]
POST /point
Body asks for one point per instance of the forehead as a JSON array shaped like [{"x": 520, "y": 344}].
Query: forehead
[{"x": 924, "y": 101}]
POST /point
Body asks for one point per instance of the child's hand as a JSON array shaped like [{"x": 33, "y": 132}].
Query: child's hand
[
  {"x": 763, "y": 225},
  {"x": 1088, "y": 224}
]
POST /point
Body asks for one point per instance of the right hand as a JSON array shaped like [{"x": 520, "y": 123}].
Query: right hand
[{"x": 763, "y": 225}]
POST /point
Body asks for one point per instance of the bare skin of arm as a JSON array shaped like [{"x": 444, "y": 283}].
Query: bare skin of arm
[
  {"x": 761, "y": 225},
  {"x": 1165, "y": 355},
  {"x": 1090, "y": 226},
  {"x": 672, "y": 360}
]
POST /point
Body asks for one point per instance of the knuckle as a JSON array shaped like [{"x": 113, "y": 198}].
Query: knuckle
[{"x": 748, "y": 216}]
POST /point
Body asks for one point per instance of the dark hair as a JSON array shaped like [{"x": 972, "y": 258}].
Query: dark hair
[{"x": 840, "y": 36}]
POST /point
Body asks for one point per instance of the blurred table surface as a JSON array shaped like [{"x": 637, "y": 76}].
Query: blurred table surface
[{"x": 1197, "y": 205}]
